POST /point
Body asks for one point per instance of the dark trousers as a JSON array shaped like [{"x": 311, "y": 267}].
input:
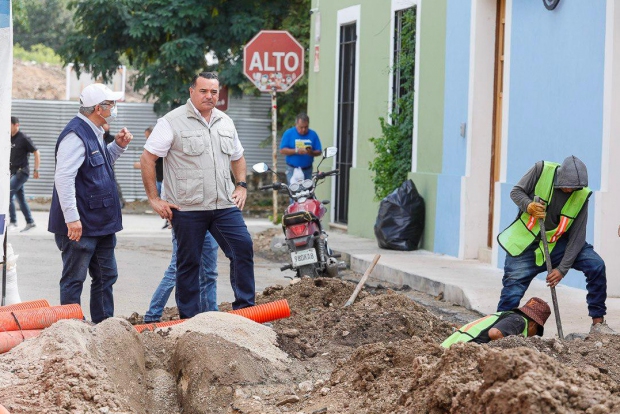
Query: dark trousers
[
  {"x": 95, "y": 254},
  {"x": 230, "y": 232},
  {"x": 519, "y": 271},
  {"x": 17, "y": 190}
]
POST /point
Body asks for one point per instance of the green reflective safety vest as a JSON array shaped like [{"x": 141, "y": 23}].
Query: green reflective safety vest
[
  {"x": 474, "y": 329},
  {"x": 525, "y": 229}
]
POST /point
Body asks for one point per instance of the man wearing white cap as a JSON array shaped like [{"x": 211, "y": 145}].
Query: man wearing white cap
[{"x": 86, "y": 212}]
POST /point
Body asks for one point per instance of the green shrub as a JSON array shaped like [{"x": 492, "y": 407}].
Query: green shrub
[
  {"x": 392, "y": 163},
  {"x": 37, "y": 53}
]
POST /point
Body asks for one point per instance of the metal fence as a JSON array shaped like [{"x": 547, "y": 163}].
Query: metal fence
[{"x": 44, "y": 120}]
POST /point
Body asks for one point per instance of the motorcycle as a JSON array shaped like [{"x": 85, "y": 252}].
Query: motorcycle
[{"x": 301, "y": 223}]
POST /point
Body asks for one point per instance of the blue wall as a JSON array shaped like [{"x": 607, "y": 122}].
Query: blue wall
[
  {"x": 556, "y": 85},
  {"x": 556, "y": 94},
  {"x": 455, "y": 113}
]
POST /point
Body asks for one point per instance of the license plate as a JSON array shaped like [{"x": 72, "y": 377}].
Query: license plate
[{"x": 303, "y": 257}]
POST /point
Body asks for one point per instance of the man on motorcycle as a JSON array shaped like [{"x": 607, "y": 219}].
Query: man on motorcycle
[{"x": 300, "y": 144}]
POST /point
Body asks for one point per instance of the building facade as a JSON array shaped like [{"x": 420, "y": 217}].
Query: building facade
[{"x": 499, "y": 85}]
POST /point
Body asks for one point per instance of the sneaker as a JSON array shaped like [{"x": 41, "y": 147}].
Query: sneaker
[
  {"x": 153, "y": 321},
  {"x": 602, "y": 328},
  {"x": 28, "y": 227},
  {"x": 12, "y": 226}
]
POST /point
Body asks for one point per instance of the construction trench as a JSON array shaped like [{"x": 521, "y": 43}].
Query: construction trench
[{"x": 379, "y": 355}]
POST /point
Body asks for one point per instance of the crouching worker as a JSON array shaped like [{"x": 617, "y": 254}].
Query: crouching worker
[{"x": 528, "y": 320}]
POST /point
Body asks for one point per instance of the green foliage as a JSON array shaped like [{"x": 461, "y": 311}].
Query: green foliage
[
  {"x": 393, "y": 149},
  {"x": 44, "y": 22},
  {"x": 38, "y": 53},
  {"x": 295, "y": 100},
  {"x": 166, "y": 41}
]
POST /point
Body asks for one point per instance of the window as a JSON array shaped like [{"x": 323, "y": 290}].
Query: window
[{"x": 403, "y": 69}]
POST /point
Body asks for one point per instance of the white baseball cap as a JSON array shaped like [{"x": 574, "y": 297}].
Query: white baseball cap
[{"x": 95, "y": 93}]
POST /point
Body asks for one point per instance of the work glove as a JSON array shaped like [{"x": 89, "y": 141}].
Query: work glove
[{"x": 536, "y": 210}]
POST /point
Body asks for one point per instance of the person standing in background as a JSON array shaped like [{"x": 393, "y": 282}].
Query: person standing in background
[
  {"x": 159, "y": 170},
  {"x": 21, "y": 148},
  {"x": 300, "y": 144}
]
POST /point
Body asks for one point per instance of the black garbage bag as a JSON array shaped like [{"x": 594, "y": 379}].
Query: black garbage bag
[{"x": 400, "y": 221}]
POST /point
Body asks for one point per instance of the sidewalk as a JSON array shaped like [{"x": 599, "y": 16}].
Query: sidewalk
[{"x": 469, "y": 283}]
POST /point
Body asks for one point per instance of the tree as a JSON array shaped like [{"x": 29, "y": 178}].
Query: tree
[
  {"x": 166, "y": 41},
  {"x": 41, "y": 22}
]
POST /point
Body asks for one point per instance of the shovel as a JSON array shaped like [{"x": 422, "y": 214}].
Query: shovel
[{"x": 554, "y": 298}]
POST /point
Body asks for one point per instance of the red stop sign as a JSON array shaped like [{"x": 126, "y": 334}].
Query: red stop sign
[{"x": 273, "y": 59}]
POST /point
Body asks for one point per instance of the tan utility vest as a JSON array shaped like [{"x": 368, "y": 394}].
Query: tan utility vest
[{"x": 197, "y": 168}]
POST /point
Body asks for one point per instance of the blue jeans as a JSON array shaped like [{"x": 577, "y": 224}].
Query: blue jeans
[
  {"x": 208, "y": 281},
  {"x": 289, "y": 173},
  {"x": 17, "y": 189},
  {"x": 520, "y": 270},
  {"x": 95, "y": 254},
  {"x": 158, "y": 184},
  {"x": 229, "y": 229}
]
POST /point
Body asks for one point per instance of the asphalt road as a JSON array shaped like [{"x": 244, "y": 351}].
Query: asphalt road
[{"x": 142, "y": 253}]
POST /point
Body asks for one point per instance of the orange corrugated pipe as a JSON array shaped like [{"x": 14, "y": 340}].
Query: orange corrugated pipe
[
  {"x": 8, "y": 340},
  {"x": 38, "y": 318},
  {"x": 152, "y": 326},
  {"x": 4, "y": 410},
  {"x": 33, "y": 304},
  {"x": 266, "y": 312}
]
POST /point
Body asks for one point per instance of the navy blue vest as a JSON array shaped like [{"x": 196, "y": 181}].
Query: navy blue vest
[{"x": 95, "y": 189}]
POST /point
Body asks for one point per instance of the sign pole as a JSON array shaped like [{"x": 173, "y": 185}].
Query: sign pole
[
  {"x": 273, "y": 61},
  {"x": 274, "y": 149}
]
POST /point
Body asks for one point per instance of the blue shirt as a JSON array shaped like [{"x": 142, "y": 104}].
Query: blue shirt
[{"x": 292, "y": 139}]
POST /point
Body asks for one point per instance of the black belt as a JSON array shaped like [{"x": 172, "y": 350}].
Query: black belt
[{"x": 303, "y": 168}]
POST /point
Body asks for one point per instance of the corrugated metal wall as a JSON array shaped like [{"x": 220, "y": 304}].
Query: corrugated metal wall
[{"x": 44, "y": 120}]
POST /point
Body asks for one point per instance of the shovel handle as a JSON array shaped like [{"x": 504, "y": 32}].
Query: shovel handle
[{"x": 554, "y": 298}]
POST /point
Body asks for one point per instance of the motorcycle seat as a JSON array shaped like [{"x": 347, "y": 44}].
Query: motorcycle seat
[{"x": 299, "y": 217}]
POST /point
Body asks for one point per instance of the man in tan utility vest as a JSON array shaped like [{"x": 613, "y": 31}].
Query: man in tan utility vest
[
  {"x": 563, "y": 190},
  {"x": 200, "y": 147}
]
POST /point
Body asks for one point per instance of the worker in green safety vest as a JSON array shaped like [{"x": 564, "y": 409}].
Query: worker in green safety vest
[
  {"x": 528, "y": 320},
  {"x": 564, "y": 193}
]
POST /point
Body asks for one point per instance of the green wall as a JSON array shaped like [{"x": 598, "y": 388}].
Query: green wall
[
  {"x": 430, "y": 111},
  {"x": 372, "y": 97}
]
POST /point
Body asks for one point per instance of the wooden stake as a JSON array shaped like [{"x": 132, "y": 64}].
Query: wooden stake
[{"x": 362, "y": 281}]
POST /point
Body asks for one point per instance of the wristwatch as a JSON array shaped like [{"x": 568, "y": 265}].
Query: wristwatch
[{"x": 242, "y": 184}]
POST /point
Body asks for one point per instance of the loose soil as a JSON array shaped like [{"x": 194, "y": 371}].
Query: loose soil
[
  {"x": 380, "y": 355},
  {"x": 33, "y": 80}
]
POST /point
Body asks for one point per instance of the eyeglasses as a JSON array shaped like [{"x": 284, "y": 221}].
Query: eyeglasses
[{"x": 108, "y": 104}]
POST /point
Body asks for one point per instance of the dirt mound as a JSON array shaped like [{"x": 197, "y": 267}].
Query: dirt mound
[
  {"x": 78, "y": 368},
  {"x": 418, "y": 376},
  {"x": 319, "y": 323},
  {"x": 33, "y": 80},
  {"x": 263, "y": 246},
  {"x": 74, "y": 367},
  {"x": 596, "y": 355}
]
